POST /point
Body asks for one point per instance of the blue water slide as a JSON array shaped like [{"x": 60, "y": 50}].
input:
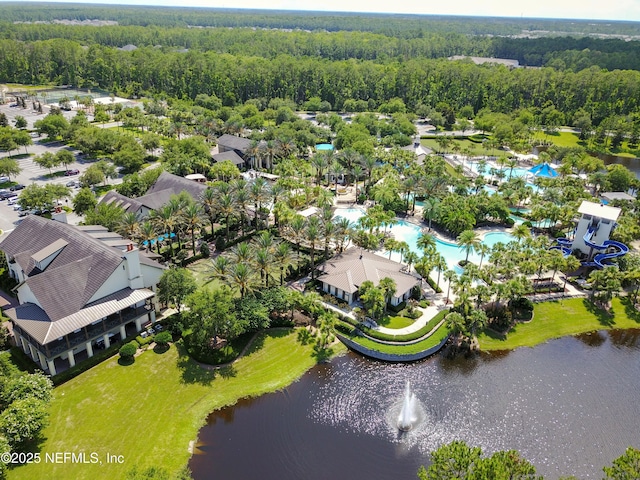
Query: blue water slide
[
  {"x": 589, "y": 235},
  {"x": 617, "y": 250},
  {"x": 564, "y": 242}
]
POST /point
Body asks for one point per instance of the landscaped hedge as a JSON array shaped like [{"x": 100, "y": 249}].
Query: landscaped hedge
[
  {"x": 433, "y": 285},
  {"x": 407, "y": 337},
  {"x": 21, "y": 359},
  {"x": 144, "y": 341},
  {"x": 97, "y": 358}
]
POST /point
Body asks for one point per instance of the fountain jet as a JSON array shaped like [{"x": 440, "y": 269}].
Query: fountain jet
[{"x": 408, "y": 414}]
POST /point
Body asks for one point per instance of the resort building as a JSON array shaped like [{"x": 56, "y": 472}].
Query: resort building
[
  {"x": 342, "y": 275},
  {"x": 594, "y": 226},
  {"x": 233, "y": 143},
  {"x": 158, "y": 194},
  {"x": 79, "y": 289}
]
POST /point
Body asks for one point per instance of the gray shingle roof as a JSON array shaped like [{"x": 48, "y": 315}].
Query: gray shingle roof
[
  {"x": 234, "y": 142},
  {"x": 126, "y": 203},
  {"x": 34, "y": 320},
  {"x": 350, "y": 269},
  {"x": 176, "y": 184},
  {"x": 232, "y": 156},
  {"x": 73, "y": 276}
]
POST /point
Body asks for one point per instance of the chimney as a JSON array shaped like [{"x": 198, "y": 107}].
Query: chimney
[{"x": 134, "y": 273}]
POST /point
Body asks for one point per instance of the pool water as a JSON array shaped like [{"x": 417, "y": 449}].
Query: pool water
[
  {"x": 451, "y": 252},
  {"x": 410, "y": 233},
  {"x": 351, "y": 214}
]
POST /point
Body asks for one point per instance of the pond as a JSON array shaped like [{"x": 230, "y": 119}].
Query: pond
[{"x": 569, "y": 406}]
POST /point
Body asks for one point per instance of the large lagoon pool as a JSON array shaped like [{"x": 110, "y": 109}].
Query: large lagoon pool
[{"x": 410, "y": 233}]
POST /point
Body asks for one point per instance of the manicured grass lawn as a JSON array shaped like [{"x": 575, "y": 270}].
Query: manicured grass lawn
[
  {"x": 150, "y": 411},
  {"x": 406, "y": 349},
  {"x": 561, "y": 318},
  {"x": 561, "y": 139},
  {"x": 475, "y": 148},
  {"x": 396, "y": 322}
]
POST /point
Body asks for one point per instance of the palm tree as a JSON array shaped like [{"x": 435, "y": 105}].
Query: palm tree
[
  {"x": 297, "y": 227},
  {"x": 192, "y": 218},
  {"x": 147, "y": 233},
  {"x": 440, "y": 265},
  {"x": 129, "y": 226},
  {"x": 450, "y": 276},
  {"x": 208, "y": 200},
  {"x": 226, "y": 206},
  {"x": 388, "y": 285},
  {"x": 253, "y": 152},
  {"x": 219, "y": 267},
  {"x": 482, "y": 250},
  {"x": 468, "y": 241},
  {"x": 242, "y": 277},
  {"x": 356, "y": 171},
  {"x": 427, "y": 243},
  {"x": 165, "y": 220},
  {"x": 282, "y": 257},
  {"x": 320, "y": 162},
  {"x": 430, "y": 209},
  {"x": 264, "y": 260},
  {"x": 242, "y": 253},
  {"x": 410, "y": 258},
  {"x": 312, "y": 234},
  {"x": 391, "y": 245},
  {"x": 520, "y": 232},
  {"x": 258, "y": 193},
  {"x": 336, "y": 170}
]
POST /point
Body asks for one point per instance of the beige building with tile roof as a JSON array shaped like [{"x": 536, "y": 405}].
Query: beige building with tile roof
[
  {"x": 343, "y": 274},
  {"x": 78, "y": 289}
]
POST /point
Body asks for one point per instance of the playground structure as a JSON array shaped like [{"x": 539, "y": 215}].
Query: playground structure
[{"x": 591, "y": 236}]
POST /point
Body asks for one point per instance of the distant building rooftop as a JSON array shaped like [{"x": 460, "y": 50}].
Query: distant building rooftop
[
  {"x": 609, "y": 196},
  {"x": 599, "y": 210},
  {"x": 507, "y": 62}
]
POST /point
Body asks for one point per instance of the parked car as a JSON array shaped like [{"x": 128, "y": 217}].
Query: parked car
[
  {"x": 17, "y": 187},
  {"x": 6, "y": 195},
  {"x": 69, "y": 173},
  {"x": 12, "y": 201},
  {"x": 4, "y": 179},
  {"x": 70, "y": 183}
]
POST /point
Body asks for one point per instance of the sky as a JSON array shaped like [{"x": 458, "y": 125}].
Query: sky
[{"x": 578, "y": 9}]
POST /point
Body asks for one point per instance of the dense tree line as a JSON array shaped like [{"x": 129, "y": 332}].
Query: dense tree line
[
  {"x": 238, "y": 78},
  {"x": 404, "y": 25},
  {"x": 561, "y": 52}
]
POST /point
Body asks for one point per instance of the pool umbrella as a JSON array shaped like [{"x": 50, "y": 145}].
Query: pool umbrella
[{"x": 543, "y": 170}]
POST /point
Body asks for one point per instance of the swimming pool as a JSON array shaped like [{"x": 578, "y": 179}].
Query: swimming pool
[
  {"x": 410, "y": 233},
  {"x": 351, "y": 214}
]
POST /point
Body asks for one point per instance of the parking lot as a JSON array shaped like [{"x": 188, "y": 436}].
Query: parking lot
[{"x": 33, "y": 173}]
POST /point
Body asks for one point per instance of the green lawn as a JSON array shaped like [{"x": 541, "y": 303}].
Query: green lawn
[
  {"x": 475, "y": 148},
  {"x": 150, "y": 411},
  {"x": 406, "y": 349},
  {"x": 562, "y": 318},
  {"x": 561, "y": 139},
  {"x": 396, "y": 322}
]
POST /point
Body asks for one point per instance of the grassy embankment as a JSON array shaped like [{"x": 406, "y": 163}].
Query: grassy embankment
[
  {"x": 150, "y": 411},
  {"x": 561, "y": 318}
]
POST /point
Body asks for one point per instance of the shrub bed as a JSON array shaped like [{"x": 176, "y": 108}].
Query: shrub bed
[
  {"x": 143, "y": 342},
  {"x": 218, "y": 356},
  {"x": 433, "y": 285}
]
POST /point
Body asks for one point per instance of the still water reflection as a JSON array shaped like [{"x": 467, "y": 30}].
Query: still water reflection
[{"x": 569, "y": 406}]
